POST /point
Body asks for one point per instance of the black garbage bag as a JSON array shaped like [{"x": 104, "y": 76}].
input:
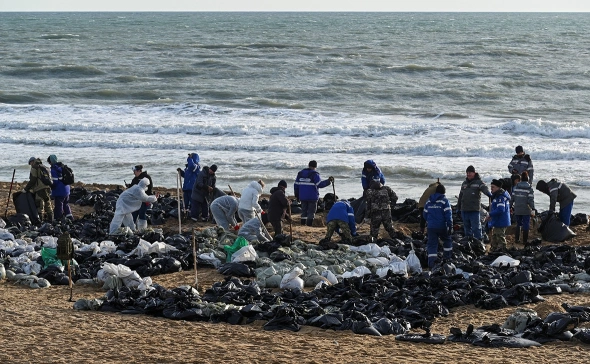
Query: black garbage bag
[
  {"x": 24, "y": 203},
  {"x": 553, "y": 230},
  {"x": 329, "y": 200},
  {"x": 285, "y": 318},
  {"x": 579, "y": 219},
  {"x": 426, "y": 338},
  {"x": 20, "y": 220},
  {"x": 236, "y": 269},
  {"x": 583, "y": 335},
  {"x": 497, "y": 341},
  {"x": 492, "y": 302},
  {"x": 327, "y": 321},
  {"x": 169, "y": 265},
  {"x": 359, "y": 206},
  {"x": 386, "y": 326}
]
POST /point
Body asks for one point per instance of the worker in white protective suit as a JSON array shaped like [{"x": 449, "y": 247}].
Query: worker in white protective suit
[
  {"x": 224, "y": 211},
  {"x": 253, "y": 230},
  {"x": 130, "y": 201}
]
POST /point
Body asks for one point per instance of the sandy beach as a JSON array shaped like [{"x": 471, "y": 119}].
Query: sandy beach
[{"x": 40, "y": 326}]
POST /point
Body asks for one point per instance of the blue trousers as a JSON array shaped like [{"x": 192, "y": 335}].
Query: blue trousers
[
  {"x": 141, "y": 212},
  {"x": 186, "y": 197},
  {"x": 471, "y": 224},
  {"x": 432, "y": 245},
  {"x": 308, "y": 209},
  {"x": 524, "y": 221},
  {"x": 62, "y": 206},
  {"x": 198, "y": 208},
  {"x": 565, "y": 213}
]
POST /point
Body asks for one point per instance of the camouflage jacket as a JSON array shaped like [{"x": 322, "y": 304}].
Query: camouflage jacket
[{"x": 380, "y": 200}]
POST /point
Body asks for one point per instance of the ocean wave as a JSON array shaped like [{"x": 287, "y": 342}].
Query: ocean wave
[
  {"x": 551, "y": 129},
  {"x": 417, "y": 68},
  {"x": 59, "y": 36},
  {"x": 63, "y": 71},
  {"x": 176, "y": 73}
]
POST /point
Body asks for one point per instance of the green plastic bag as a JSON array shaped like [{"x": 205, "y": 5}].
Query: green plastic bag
[
  {"x": 49, "y": 256},
  {"x": 238, "y": 244}
]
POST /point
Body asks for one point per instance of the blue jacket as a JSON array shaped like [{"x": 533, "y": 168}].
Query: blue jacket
[
  {"x": 437, "y": 212},
  {"x": 500, "y": 209},
  {"x": 191, "y": 171},
  {"x": 375, "y": 175},
  {"x": 307, "y": 185},
  {"x": 58, "y": 189},
  {"x": 344, "y": 212}
]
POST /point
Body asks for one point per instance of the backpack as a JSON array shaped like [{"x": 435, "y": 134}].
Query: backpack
[
  {"x": 65, "y": 247},
  {"x": 67, "y": 175},
  {"x": 45, "y": 175}
]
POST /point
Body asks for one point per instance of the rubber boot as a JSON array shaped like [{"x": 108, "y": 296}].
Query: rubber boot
[
  {"x": 303, "y": 221},
  {"x": 141, "y": 225},
  {"x": 309, "y": 222},
  {"x": 517, "y": 235},
  {"x": 525, "y": 237}
]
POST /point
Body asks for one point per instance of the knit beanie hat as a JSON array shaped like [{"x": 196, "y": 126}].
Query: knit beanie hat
[
  {"x": 497, "y": 183},
  {"x": 519, "y": 149},
  {"x": 312, "y": 164},
  {"x": 283, "y": 183},
  {"x": 441, "y": 189},
  {"x": 542, "y": 186},
  {"x": 213, "y": 168},
  {"x": 470, "y": 169},
  {"x": 52, "y": 159}
]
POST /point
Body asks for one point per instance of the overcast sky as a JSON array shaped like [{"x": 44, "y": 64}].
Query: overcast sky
[{"x": 297, "y": 5}]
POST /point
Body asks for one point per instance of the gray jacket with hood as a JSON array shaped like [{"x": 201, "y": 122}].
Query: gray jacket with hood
[
  {"x": 470, "y": 195},
  {"x": 523, "y": 198}
]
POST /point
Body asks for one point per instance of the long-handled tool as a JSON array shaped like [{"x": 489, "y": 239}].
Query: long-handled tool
[
  {"x": 262, "y": 224},
  {"x": 178, "y": 177},
  {"x": 9, "y": 193},
  {"x": 334, "y": 188},
  {"x": 232, "y": 191},
  {"x": 290, "y": 220}
]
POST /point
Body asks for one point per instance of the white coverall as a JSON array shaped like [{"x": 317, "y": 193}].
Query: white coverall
[
  {"x": 129, "y": 201},
  {"x": 249, "y": 202},
  {"x": 224, "y": 211},
  {"x": 252, "y": 230}
]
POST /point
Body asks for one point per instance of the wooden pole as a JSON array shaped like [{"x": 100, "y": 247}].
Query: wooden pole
[
  {"x": 262, "y": 224},
  {"x": 9, "y": 193},
  {"x": 195, "y": 260},
  {"x": 232, "y": 191},
  {"x": 70, "y": 276}
]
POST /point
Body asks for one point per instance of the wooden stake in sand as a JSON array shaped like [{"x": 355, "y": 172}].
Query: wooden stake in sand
[
  {"x": 9, "y": 193},
  {"x": 195, "y": 260},
  {"x": 178, "y": 177}
]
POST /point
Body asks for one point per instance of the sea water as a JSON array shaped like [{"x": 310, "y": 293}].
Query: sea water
[{"x": 261, "y": 94}]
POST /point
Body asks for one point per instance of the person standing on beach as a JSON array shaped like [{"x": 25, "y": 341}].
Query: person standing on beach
[
  {"x": 340, "y": 219},
  {"x": 439, "y": 215},
  {"x": 39, "y": 189},
  {"x": 379, "y": 201},
  {"x": 559, "y": 192},
  {"x": 523, "y": 205},
  {"x": 129, "y": 202},
  {"x": 371, "y": 173},
  {"x": 204, "y": 186},
  {"x": 422, "y": 202},
  {"x": 224, "y": 210},
  {"x": 307, "y": 185},
  {"x": 59, "y": 191},
  {"x": 469, "y": 202},
  {"x": 499, "y": 217},
  {"x": 190, "y": 172},
  {"x": 277, "y": 207},
  {"x": 521, "y": 162},
  {"x": 140, "y": 214},
  {"x": 249, "y": 201}
]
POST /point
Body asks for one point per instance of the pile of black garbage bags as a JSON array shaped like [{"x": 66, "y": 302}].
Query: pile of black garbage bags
[{"x": 391, "y": 305}]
